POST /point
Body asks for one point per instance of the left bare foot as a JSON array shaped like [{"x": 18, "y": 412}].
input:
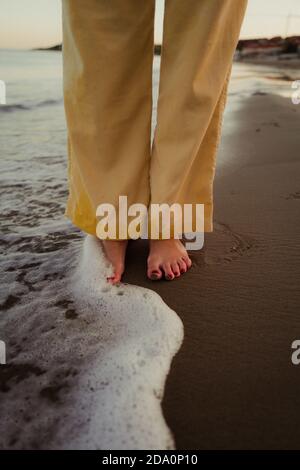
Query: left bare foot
[
  {"x": 115, "y": 251},
  {"x": 168, "y": 258}
]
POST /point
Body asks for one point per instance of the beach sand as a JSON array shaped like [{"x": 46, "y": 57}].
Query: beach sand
[
  {"x": 86, "y": 366},
  {"x": 232, "y": 384}
]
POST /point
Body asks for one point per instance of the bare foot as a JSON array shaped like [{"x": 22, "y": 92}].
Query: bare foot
[
  {"x": 168, "y": 258},
  {"x": 115, "y": 251}
]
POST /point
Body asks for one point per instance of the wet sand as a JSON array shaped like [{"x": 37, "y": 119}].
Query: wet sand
[{"x": 232, "y": 385}]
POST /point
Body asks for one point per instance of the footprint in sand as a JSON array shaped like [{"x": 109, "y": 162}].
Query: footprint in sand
[
  {"x": 225, "y": 246},
  {"x": 295, "y": 195}
]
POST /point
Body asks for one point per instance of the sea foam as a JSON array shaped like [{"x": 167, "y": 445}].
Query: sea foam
[{"x": 121, "y": 389}]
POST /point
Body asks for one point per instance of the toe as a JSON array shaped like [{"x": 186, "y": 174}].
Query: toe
[
  {"x": 169, "y": 275},
  {"x": 112, "y": 280},
  {"x": 117, "y": 276},
  {"x": 187, "y": 260},
  {"x": 175, "y": 269},
  {"x": 154, "y": 272},
  {"x": 182, "y": 266}
]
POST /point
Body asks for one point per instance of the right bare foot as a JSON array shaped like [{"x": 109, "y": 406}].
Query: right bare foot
[
  {"x": 168, "y": 258},
  {"x": 115, "y": 251}
]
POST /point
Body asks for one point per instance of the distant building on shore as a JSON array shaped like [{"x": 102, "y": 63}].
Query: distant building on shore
[{"x": 274, "y": 46}]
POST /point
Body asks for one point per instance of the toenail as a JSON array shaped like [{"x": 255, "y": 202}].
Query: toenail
[{"x": 154, "y": 276}]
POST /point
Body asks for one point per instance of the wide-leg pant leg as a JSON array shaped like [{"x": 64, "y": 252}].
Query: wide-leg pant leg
[
  {"x": 107, "y": 62},
  {"x": 199, "y": 40}
]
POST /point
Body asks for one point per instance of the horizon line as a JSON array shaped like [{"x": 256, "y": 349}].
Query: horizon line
[{"x": 155, "y": 43}]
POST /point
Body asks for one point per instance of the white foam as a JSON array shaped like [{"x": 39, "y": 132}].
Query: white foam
[{"x": 139, "y": 336}]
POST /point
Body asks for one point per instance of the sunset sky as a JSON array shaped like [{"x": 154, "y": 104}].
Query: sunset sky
[{"x": 37, "y": 23}]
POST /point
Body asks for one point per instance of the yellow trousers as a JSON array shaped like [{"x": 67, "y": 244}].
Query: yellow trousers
[{"x": 107, "y": 59}]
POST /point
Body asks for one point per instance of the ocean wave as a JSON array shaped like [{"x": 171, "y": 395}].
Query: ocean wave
[
  {"x": 49, "y": 103},
  {"x": 8, "y": 108}
]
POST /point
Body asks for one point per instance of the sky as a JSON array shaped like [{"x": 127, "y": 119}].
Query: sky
[{"x": 37, "y": 23}]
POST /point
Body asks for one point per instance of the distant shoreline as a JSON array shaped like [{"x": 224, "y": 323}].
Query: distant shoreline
[
  {"x": 278, "y": 51},
  {"x": 58, "y": 48}
]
